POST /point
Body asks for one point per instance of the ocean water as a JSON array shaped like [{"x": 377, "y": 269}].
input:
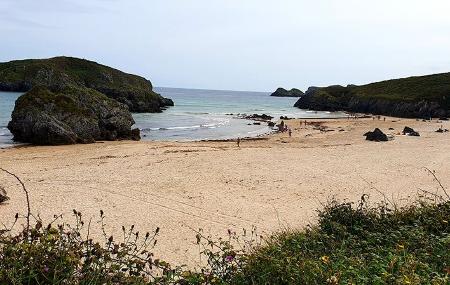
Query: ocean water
[
  {"x": 197, "y": 115},
  {"x": 7, "y": 100}
]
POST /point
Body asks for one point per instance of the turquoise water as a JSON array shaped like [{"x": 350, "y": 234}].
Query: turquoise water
[
  {"x": 7, "y": 100},
  {"x": 197, "y": 114}
]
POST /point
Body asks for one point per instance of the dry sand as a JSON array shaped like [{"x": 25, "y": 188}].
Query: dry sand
[{"x": 271, "y": 184}]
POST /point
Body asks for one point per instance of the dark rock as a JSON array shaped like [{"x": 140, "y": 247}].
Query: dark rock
[
  {"x": 68, "y": 116},
  {"x": 440, "y": 130},
  {"x": 281, "y": 92},
  {"x": 3, "y": 196},
  {"x": 443, "y": 119},
  {"x": 391, "y": 129},
  {"x": 257, "y": 117},
  {"x": 271, "y": 124},
  {"x": 377, "y": 135},
  {"x": 256, "y": 123},
  {"x": 410, "y": 132},
  {"x": 285, "y": 118},
  {"x": 414, "y": 97}
]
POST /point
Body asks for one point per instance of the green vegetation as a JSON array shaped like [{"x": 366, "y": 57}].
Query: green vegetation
[
  {"x": 421, "y": 96},
  {"x": 351, "y": 244},
  {"x": 61, "y": 72},
  {"x": 357, "y": 246},
  {"x": 69, "y": 115},
  {"x": 434, "y": 87}
]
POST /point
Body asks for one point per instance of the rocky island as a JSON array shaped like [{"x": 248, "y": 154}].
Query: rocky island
[
  {"x": 281, "y": 92},
  {"x": 69, "y": 115},
  {"x": 71, "y": 100},
  {"x": 134, "y": 91},
  {"x": 413, "y": 97}
]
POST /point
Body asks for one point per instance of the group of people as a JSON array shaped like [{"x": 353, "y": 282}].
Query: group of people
[{"x": 282, "y": 127}]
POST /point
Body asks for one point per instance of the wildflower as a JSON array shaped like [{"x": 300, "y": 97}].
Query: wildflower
[
  {"x": 325, "y": 259},
  {"x": 46, "y": 269},
  {"x": 400, "y": 246},
  {"x": 229, "y": 258}
]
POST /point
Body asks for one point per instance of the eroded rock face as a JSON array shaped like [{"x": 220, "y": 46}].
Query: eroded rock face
[
  {"x": 377, "y": 136},
  {"x": 60, "y": 72},
  {"x": 318, "y": 99},
  {"x": 68, "y": 116},
  {"x": 413, "y": 97}
]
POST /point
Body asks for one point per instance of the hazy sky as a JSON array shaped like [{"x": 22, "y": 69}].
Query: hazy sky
[{"x": 236, "y": 44}]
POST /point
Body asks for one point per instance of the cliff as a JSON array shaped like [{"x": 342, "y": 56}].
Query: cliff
[
  {"x": 413, "y": 97},
  {"x": 57, "y": 73}
]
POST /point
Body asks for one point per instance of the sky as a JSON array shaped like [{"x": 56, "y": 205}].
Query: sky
[{"x": 255, "y": 45}]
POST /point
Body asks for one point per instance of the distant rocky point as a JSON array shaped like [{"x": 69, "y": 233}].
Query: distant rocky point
[
  {"x": 69, "y": 115},
  {"x": 60, "y": 72},
  {"x": 281, "y": 92},
  {"x": 413, "y": 97}
]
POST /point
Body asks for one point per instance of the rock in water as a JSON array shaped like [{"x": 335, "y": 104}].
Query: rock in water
[
  {"x": 59, "y": 72},
  {"x": 377, "y": 136},
  {"x": 68, "y": 116},
  {"x": 410, "y": 132},
  {"x": 281, "y": 92}
]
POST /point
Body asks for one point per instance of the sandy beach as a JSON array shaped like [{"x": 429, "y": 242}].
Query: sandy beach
[{"x": 271, "y": 183}]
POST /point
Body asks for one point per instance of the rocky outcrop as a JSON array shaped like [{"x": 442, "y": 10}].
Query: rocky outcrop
[
  {"x": 415, "y": 97},
  {"x": 257, "y": 117},
  {"x": 410, "y": 132},
  {"x": 69, "y": 115},
  {"x": 377, "y": 136},
  {"x": 281, "y": 92},
  {"x": 57, "y": 73}
]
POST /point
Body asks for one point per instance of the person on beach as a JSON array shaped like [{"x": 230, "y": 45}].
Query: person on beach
[
  {"x": 281, "y": 127},
  {"x": 238, "y": 142},
  {"x": 290, "y": 132}
]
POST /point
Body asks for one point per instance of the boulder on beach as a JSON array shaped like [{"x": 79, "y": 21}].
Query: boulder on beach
[
  {"x": 3, "y": 196},
  {"x": 410, "y": 132},
  {"x": 377, "y": 136},
  {"x": 69, "y": 115}
]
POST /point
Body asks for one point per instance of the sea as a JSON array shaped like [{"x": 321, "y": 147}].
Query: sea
[{"x": 197, "y": 115}]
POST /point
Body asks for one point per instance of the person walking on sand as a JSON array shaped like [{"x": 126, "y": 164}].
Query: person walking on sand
[
  {"x": 290, "y": 132},
  {"x": 238, "y": 142}
]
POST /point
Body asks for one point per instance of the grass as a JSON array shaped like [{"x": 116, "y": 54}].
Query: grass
[
  {"x": 60, "y": 72},
  {"x": 385, "y": 97},
  {"x": 351, "y": 244}
]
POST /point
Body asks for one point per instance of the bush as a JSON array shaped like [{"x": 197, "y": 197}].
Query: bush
[
  {"x": 349, "y": 245},
  {"x": 62, "y": 254},
  {"x": 357, "y": 246}
]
